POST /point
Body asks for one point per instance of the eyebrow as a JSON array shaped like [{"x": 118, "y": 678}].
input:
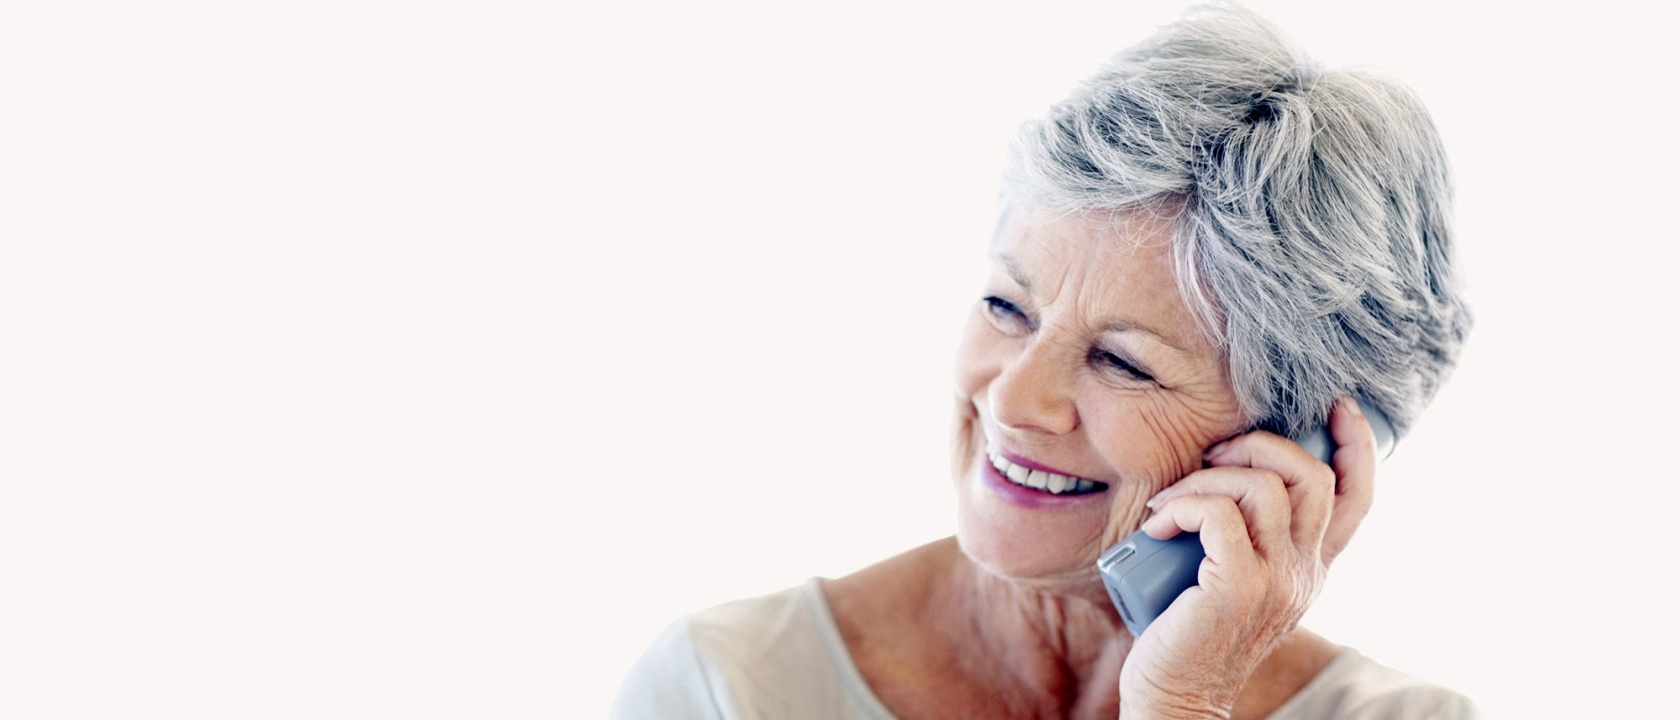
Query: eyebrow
[
  {"x": 1121, "y": 327},
  {"x": 1015, "y": 272},
  {"x": 1019, "y": 275}
]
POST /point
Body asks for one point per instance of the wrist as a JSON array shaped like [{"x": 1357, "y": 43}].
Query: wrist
[
  {"x": 1132, "y": 708},
  {"x": 1156, "y": 703}
]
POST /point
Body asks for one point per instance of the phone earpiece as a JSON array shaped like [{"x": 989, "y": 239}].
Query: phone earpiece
[{"x": 1322, "y": 446}]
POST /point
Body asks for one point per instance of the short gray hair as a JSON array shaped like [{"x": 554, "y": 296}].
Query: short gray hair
[{"x": 1313, "y": 236}]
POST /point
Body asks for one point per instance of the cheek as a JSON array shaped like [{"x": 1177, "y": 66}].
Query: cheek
[
  {"x": 1158, "y": 439},
  {"x": 979, "y": 356}
]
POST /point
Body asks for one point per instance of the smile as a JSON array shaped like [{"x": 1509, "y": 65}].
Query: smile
[{"x": 1053, "y": 483}]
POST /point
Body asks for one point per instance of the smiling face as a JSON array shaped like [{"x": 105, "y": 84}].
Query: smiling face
[{"x": 1083, "y": 388}]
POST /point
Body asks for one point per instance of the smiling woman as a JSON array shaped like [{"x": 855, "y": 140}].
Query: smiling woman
[
  {"x": 1081, "y": 361},
  {"x": 1210, "y": 247}
]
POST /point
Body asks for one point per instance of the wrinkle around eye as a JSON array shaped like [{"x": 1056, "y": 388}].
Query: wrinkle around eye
[
  {"x": 1123, "y": 366},
  {"x": 1005, "y": 313}
]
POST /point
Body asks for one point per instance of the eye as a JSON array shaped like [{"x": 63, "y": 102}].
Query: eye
[
  {"x": 1005, "y": 314},
  {"x": 1116, "y": 362}
]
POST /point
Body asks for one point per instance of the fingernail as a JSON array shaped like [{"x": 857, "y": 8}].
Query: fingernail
[
  {"x": 1159, "y": 496},
  {"x": 1352, "y": 405},
  {"x": 1214, "y": 451}
]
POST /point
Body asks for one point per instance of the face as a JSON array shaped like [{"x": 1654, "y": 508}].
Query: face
[{"x": 1083, "y": 387}]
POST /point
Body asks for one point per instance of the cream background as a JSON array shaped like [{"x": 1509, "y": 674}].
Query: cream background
[{"x": 367, "y": 359}]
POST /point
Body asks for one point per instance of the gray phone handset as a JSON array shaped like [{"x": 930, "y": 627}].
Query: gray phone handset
[{"x": 1144, "y": 575}]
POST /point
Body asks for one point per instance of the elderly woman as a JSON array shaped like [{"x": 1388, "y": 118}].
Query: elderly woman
[{"x": 1211, "y": 247}]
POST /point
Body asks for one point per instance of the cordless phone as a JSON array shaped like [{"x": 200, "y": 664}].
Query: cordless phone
[{"x": 1144, "y": 575}]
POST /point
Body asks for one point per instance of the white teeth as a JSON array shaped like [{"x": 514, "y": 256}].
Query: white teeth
[
  {"x": 1019, "y": 474},
  {"x": 1042, "y": 480}
]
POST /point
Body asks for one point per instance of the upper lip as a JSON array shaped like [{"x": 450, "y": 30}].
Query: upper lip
[
  {"x": 997, "y": 440},
  {"x": 1031, "y": 464}
]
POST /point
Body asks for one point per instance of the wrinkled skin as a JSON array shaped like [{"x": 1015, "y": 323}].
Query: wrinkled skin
[{"x": 1082, "y": 357}]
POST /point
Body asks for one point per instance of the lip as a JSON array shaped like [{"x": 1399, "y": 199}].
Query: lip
[
  {"x": 1026, "y": 497},
  {"x": 1031, "y": 465}
]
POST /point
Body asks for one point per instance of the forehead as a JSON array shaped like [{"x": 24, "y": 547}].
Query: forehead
[{"x": 1100, "y": 270}]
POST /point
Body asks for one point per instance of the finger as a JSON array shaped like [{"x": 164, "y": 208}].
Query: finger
[
  {"x": 1356, "y": 468},
  {"x": 1259, "y": 494},
  {"x": 1356, "y": 445},
  {"x": 1224, "y": 535},
  {"x": 1311, "y": 483}
]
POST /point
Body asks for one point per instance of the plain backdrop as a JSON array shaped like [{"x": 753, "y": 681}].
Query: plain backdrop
[{"x": 376, "y": 359}]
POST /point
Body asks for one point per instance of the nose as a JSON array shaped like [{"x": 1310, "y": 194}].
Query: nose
[{"x": 1035, "y": 391}]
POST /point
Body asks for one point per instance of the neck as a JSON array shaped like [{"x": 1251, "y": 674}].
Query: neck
[
  {"x": 937, "y": 636},
  {"x": 1051, "y": 650}
]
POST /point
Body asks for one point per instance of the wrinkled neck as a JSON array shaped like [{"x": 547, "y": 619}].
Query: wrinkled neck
[{"x": 1058, "y": 653}]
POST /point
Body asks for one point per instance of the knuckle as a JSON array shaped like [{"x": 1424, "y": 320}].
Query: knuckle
[
  {"x": 1229, "y": 510},
  {"x": 1323, "y": 476},
  {"x": 1272, "y": 483}
]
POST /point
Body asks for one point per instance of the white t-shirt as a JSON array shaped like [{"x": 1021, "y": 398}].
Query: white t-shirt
[{"x": 781, "y": 657}]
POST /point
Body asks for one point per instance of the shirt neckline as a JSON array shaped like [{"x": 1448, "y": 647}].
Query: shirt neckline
[
  {"x": 852, "y": 680},
  {"x": 851, "y": 677}
]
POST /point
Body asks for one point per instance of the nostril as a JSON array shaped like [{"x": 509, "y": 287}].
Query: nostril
[{"x": 1031, "y": 404}]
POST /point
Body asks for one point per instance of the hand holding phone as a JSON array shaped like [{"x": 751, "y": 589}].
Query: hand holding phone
[{"x": 1144, "y": 575}]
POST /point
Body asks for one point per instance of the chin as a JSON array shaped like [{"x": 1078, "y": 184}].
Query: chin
[{"x": 1026, "y": 553}]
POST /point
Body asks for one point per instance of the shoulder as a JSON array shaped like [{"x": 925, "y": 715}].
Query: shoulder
[
  {"x": 668, "y": 681},
  {"x": 773, "y": 656},
  {"x": 1355, "y": 687},
  {"x": 783, "y": 623}
]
